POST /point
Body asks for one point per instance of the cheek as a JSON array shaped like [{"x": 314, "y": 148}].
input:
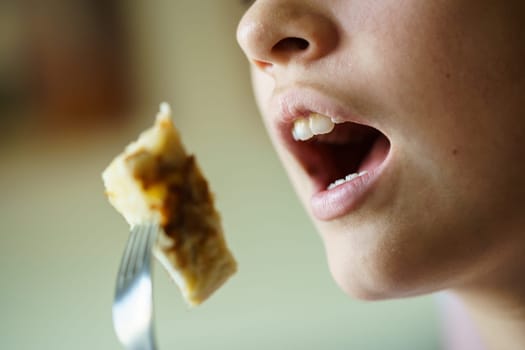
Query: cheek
[{"x": 263, "y": 86}]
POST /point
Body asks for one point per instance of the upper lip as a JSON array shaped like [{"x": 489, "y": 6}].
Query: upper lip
[
  {"x": 293, "y": 103},
  {"x": 299, "y": 101}
]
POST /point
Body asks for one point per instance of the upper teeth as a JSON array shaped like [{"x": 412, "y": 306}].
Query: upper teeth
[{"x": 315, "y": 124}]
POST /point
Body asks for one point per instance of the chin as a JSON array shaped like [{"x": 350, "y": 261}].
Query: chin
[
  {"x": 371, "y": 264},
  {"x": 365, "y": 281}
]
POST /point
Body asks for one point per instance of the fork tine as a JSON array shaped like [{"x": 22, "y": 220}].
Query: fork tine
[
  {"x": 153, "y": 236},
  {"x": 142, "y": 251},
  {"x": 125, "y": 261},
  {"x": 149, "y": 239},
  {"x": 139, "y": 250},
  {"x": 133, "y": 305},
  {"x": 141, "y": 240}
]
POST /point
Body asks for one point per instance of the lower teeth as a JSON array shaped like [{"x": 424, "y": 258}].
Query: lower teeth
[{"x": 346, "y": 179}]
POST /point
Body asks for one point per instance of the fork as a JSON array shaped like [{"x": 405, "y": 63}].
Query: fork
[{"x": 133, "y": 303}]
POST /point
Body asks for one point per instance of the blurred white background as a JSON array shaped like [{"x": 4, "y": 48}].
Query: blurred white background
[{"x": 60, "y": 241}]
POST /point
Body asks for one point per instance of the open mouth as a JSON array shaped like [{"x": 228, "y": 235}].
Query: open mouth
[{"x": 336, "y": 154}]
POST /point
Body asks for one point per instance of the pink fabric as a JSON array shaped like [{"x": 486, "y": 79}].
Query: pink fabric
[{"x": 459, "y": 330}]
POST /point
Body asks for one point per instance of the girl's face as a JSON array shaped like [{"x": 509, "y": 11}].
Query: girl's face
[{"x": 427, "y": 99}]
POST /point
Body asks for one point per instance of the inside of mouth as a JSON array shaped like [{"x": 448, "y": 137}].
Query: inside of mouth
[{"x": 349, "y": 149}]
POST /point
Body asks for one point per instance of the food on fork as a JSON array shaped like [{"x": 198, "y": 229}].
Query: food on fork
[{"x": 155, "y": 180}]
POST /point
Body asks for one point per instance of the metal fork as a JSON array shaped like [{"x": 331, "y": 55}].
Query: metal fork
[{"x": 133, "y": 304}]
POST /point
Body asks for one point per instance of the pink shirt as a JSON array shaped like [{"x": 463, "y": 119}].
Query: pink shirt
[{"x": 459, "y": 330}]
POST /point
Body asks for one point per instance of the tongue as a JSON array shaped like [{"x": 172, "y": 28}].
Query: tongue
[{"x": 376, "y": 155}]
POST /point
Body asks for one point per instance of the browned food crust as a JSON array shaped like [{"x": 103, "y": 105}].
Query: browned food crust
[{"x": 188, "y": 217}]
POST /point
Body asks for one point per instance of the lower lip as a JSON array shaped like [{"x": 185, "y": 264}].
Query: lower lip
[{"x": 342, "y": 200}]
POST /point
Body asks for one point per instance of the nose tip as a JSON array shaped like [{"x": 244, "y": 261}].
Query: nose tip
[{"x": 276, "y": 33}]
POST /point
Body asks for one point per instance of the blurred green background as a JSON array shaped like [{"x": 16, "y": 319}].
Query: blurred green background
[{"x": 78, "y": 81}]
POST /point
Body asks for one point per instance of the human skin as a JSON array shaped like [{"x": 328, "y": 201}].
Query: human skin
[{"x": 444, "y": 82}]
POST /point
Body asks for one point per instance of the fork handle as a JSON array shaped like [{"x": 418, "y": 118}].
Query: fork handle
[{"x": 146, "y": 344}]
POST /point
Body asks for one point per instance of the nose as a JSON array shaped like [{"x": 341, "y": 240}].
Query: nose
[{"x": 279, "y": 32}]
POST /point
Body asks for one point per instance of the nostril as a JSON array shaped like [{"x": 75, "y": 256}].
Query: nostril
[
  {"x": 290, "y": 45},
  {"x": 263, "y": 65}
]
